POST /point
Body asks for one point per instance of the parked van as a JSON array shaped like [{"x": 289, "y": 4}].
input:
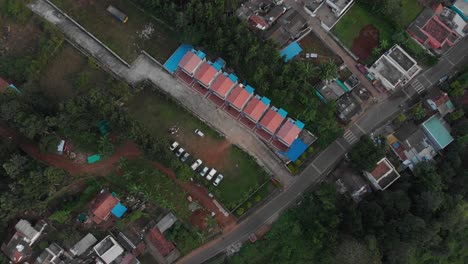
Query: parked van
[
  {"x": 196, "y": 164},
  {"x": 211, "y": 174}
]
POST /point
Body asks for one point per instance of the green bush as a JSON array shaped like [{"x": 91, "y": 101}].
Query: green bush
[
  {"x": 240, "y": 211},
  {"x": 60, "y": 217}
]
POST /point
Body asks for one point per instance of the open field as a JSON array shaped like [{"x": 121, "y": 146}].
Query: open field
[
  {"x": 312, "y": 44},
  {"x": 411, "y": 9},
  {"x": 141, "y": 32},
  {"x": 241, "y": 173},
  {"x": 70, "y": 73}
]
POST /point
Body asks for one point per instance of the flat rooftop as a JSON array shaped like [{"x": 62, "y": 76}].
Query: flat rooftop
[
  {"x": 387, "y": 70},
  {"x": 402, "y": 58}
]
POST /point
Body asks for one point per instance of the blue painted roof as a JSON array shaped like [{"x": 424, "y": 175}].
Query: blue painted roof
[
  {"x": 298, "y": 147},
  {"x": 438, "y": 132},
  {"x": 201, "y": 54},
  {"x": 219, "y": 64},
  {"x": 173, "y": 61},
  {"x": 299, "y": 124},
  {"x": 266, "y": 101},
  {"x": 233, "y": 77},
  {"x": 119, "y": 210},
  {"x": 282, "y": 112},
  {"x": 320, "y": 96},
  {"x": 249, "y": 89},
  {"x": 291, "y": 51}
]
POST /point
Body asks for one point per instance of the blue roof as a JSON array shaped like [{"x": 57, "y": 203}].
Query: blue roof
[
  {"x": 201, "y": 54},
  {"x": 298, "y": 147},
  {"x": 266, "y": 101},
  {"x": 173, "y": 61},
  {"x": 119, "y": 210},
  {"x": 282, "y": 112},
  {"x": 233, "y": 77},
  {"x": 291, "y": 51},
  {"x": 320, "y": 96},
  {"x": 219, "y": 64},
  {"x": 299, "y": 124},
  {"x": 438, "y": 132},
  {"x": 249, "y": 89}
]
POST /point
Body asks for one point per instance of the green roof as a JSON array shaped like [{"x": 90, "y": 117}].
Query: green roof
[
  {"x": 94, "y": 158},
  {"x": 437, "y": 132}
]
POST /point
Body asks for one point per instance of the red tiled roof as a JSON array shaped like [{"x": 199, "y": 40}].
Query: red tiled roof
[
  {"x": 206, "y": 73},
  {"x": 441, "y": 99},
  {"x": 288, "y": 132},
  {"x": 381, "y": 169},
  {"x": 437, "y": 30},
  {"x": 190, "y": 62},
  {"x": 238, "y": 97},
  {"x": 222, "y": 85},
  {"x": 257, "y": 21},
  {"x": 271, "y": 121},
  {"x": 159, "y": 241},
  {"x": 255, "y": 108},
  {"x": 3, "y": 85},
  {"x": 102, "y": 206}
]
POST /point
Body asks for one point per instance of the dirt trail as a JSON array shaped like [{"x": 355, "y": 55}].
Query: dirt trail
[{"x": 128, "y": 150}]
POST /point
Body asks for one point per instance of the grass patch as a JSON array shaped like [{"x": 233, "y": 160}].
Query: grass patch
[
  {"x": 411, "y": 9},
  {"x": 124, "y": 39},
  {"x": 356, "y": 18},
  {"x": 140, "y": 177},
  {"x": 241, "y": 173}
]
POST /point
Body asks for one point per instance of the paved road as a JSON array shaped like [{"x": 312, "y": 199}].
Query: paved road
[
  {"x": 376, "y": 115},
  {"x": 145, "y": 68}
]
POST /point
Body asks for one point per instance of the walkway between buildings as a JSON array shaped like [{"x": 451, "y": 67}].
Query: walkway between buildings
[{"x": 145, "y": 68}]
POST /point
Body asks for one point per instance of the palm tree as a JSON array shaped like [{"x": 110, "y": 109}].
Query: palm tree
[{"x": 328, "y": 71}]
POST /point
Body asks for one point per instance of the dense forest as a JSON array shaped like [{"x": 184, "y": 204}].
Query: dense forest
[{"x": 213, "y": 26}]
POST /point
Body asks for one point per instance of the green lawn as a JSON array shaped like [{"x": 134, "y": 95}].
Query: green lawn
[
  {"x": 411, "y": 9},
  {"x": 241, "y": 173},
  {"x": 354, "y": 20},
  {"x": 124, "y": 39}
]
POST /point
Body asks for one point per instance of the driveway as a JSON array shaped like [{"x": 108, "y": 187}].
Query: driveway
[{"x": 144, "y": 68}]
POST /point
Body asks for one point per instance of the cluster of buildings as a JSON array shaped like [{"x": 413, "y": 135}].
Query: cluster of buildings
[
  {"x": 328, "y": 11},
  {"x": 117, "y": 246},
  {"x": 239, "y": 99},
  {"x": 278, "y": 22}
]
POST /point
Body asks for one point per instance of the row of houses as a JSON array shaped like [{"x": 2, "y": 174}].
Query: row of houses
[
  {"x": 240, "y": 100},
  {"x": 119, "y": 246}
]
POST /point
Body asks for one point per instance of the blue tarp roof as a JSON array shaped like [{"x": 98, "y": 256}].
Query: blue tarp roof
[
  {"x": 173, "y": 61},
  {"x": 291, "y": 51},
  {"x": 119, "y": 210},
  {"x": 266, "y": 101},
  {"x": 249, "y": 89},
  {"x": 233, "y": 77},
  {"x": 295, "y": 151},
  {"x": 282, "y": 112},
  {"x": 299, "y": 124},
  {"x": 201, "y": 54},
  {"x": 342, "y": 85},
  {"x": 219, "y": 64},
  {"x": 321, "y": 96}
]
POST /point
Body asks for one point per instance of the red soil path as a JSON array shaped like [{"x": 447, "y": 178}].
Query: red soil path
[
  {"x": 128, "y": 150},
  {"x": 368, "y": 39}
]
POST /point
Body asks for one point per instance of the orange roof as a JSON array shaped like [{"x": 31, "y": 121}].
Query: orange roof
[
  {"x": 288, "y": 132},
  {"x": 381, "y": 169},
  {"x": 238, "y": 97},
  {"x": 441, "y": 99},
  {"x": 3, "y": 85},
  {"x": 102, "y": 206},
  {"x": 271, "y": 121},
  {"x": 206, "y": 73},
  {"x": 255, "y": 108},
  {"x": 222, "y": 85},
  {"x": 159, "y": 241},
  {"x": 190, "y": 62}
]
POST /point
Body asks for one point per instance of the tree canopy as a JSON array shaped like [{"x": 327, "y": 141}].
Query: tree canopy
[{"x": 365, "y": 154}]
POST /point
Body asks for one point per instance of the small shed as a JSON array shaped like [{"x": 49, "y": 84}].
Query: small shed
[
  {"x": 94, "y": 159},
  {"x": 119, "y": 210}
]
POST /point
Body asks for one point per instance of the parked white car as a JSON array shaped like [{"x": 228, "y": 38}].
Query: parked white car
[
  {"x": 199, "y": 133},
  {"x": 174, "y": 145},
  {"x": 185, "y": 157},
  {"x": 211, "y": 174},
  {"x": 218, "y": 180},
  {"x": 204, "y": 171},
  {"x": 196, "y": 164},
  {"x": 179, "y": 152}
]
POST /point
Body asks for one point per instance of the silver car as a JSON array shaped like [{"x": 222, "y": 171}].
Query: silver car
[
  {"x": 218, "y": 180},
  {"x": 185, "y": 157},
  {"x": 204, "y": 171},
  {"x": 179, "y": 152}
]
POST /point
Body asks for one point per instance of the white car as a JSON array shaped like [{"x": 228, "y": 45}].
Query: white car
[
  {"x": 211, "y": 174},
  {"x": 199, "y": 133},
  {"x": 218, "y": 180},
  {"x": 185, "y": 157},
  {"x": 196, "y": 164},
  {"x": 204, "y": 171},
  {"x": 174, "y": 145},
  {"x": 179, "y": 152}
]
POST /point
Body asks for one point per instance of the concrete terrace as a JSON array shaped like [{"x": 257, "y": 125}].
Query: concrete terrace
[{"x": 146, "y": 68}]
